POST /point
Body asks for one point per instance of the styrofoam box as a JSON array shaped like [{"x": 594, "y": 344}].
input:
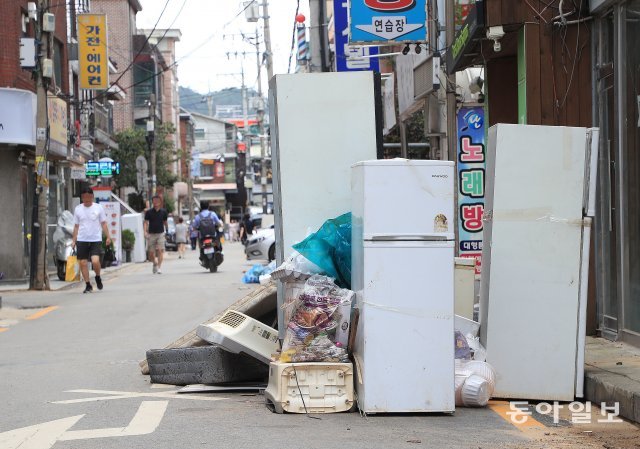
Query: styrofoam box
[{"x": 325, "y": 387}]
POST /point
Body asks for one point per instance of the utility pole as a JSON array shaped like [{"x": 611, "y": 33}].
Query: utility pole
[
  {"x": 451, "y": 150},
  {"x": 260, "y": 116},
  {"x": 269, "y": 63},
  {"x": 39, "y": 280},
  {"x": 153, "y": 143}
]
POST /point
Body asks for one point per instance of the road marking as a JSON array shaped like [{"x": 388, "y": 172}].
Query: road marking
[
  {"x": 41, "y": 313},
  {"x": 502, "y": 407},
  {"x": 3, "y": 329},
  {"x": 146, "y": 421},
  {"x": 39, "y": 436},
  {"x": 111, "y": 395}
]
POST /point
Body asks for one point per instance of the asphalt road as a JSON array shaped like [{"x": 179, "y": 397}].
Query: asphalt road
[{"x": 94, "y": 342}]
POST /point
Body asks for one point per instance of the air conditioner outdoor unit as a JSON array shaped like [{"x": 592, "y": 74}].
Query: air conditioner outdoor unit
[{"x": 239, "y": 333}]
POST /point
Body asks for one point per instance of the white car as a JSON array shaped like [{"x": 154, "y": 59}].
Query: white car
[{"x": 261, "y": 245}]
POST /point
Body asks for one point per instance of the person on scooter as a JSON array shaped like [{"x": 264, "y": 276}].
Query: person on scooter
[{"x": 207, "y": 221}]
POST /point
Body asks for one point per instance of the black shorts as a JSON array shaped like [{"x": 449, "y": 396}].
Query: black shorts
[{"x": 87, "y": 249}]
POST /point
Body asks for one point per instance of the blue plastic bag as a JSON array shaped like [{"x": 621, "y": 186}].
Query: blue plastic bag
[{"x": 330, "y": 249}]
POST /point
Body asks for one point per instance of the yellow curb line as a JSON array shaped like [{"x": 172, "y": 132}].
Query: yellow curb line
[
  {"x": 42, "y": 313},
  {"x": 502, "y": 407}
]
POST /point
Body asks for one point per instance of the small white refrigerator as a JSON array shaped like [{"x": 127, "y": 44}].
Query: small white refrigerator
[
  {"x": 540, "y": 200},
  {"x": 402, "y": 273}
]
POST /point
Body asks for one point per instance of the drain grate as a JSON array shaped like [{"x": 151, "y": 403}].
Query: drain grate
[{"x": 32, "y": 307}]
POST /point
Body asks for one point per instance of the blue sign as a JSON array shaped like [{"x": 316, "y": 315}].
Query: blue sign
[
  {"x": 471, "y": 182},
  {"x": 387, "y": 21},
  {"x": 350, "y": 58}
]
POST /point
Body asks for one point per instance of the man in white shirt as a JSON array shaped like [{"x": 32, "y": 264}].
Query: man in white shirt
[{"x": 90, "y": 222}]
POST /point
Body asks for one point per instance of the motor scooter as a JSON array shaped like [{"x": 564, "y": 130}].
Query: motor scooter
[
  {"x": 63, "y": 242},
  {"x": 211, "y": 251}
]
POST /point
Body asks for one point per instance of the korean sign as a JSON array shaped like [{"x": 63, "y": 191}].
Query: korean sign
[
  {"x": 471, "y": 182},
  {"x": 58, "y": 125},
  {"x": 350, "y": 57},
  {"x": 92, "y": 49},
  {"x": 102, "y": 168},
  {"x": 387, "y": 21}
]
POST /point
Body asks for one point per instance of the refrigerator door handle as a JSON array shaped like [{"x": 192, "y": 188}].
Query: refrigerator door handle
[
  {"x": 591, "y": 167},
  {"x": 402, "y": 237}
]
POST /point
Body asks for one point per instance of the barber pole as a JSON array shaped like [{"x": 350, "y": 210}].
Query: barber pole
[{"x": 303, "y": 48}]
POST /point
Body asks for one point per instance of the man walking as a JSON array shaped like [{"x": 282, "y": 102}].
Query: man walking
[
  {"x": 90, "y": 222},
  {"x": 155, "y": 225}
]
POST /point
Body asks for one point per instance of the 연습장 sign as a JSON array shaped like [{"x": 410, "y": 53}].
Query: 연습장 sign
[
  {"x": 471, "y": 182},
  {"x": 92, "y": 51},
  {"x": 387, "y": 21}
]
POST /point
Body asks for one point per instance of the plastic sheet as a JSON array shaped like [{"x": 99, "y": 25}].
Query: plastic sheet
[
  {"x": 330, "y": 249},
  {"x": 253, "y": 275},
  {"x": 318, "y": 328}
]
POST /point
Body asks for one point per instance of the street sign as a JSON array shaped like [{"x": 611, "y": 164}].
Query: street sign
[
  {"x": 141, "y": 163},
  {"x": 350, "y": 58},
  {"x": 387, "y": 21}
]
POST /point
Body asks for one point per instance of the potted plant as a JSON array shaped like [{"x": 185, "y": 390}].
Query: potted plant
[{"x": 128, "y": 241}]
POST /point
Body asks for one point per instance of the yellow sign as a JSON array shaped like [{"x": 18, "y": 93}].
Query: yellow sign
[
  {"x": 92, "y": 49},
  {"x": 58, "y": 123}
]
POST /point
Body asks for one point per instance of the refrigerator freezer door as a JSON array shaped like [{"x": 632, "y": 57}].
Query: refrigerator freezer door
[
  {"x": 403, "y": 198},
  {"x": 531, "y": 259},
  {"x": 404, "y": 343}
]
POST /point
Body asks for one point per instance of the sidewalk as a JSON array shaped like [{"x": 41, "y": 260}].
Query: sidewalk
[
  {"x": 56, "y": 284},
  {"x": 612, "y": 374}
]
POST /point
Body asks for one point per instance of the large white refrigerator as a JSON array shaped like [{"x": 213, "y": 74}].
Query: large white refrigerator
[
  {"x": 402, "y": 273},
  {"x": 540, "y": 200}
]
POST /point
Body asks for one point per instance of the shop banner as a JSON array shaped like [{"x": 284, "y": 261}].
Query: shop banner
[
  {"x": 471, "y": 182},
  {"x": 92, "y": 48},
  {"x": 387, "y": 22},
  {"x": 112, "y": 211},
  {"x": 58, "y": 125}
]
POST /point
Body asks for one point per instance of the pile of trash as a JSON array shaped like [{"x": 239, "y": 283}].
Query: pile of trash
[
  {"x": 259, "y": 274},
  {"x": 318, "y": 327},
  {"x": 475, "y": 379}
]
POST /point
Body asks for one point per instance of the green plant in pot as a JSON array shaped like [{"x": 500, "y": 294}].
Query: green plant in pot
[{"x": 128, "y": 241}]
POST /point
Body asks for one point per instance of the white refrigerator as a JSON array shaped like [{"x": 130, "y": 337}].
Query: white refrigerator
[
  {"x": 402, "y": 273},
  {"x": 540, "y": 200}
]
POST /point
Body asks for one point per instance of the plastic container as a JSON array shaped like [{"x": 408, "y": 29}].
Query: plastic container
[
  {"x": 325, "y": 387},
  {"x": 482, "y": 369},
  {"x": 476, "y": 391}
]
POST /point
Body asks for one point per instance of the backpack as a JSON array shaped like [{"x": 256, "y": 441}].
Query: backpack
[{"x": 208, "y": 226}]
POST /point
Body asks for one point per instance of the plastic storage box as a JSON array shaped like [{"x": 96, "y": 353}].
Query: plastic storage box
[{"x": 325, "y": 387}]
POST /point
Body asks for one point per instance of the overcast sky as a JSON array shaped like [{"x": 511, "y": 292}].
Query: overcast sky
[{"x": 212, "y": 21}]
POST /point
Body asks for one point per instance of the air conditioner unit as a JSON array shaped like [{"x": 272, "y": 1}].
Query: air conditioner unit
[{"x": 239, "y": 333}]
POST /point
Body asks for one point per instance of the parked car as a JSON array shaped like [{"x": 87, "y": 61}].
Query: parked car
[
  {"x": 170, "y": 236},
  {"x": 261, "y": 245}
]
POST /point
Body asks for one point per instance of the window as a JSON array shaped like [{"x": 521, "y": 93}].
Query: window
[
  {"x": 199, "y": 133},
  {"x": 57, "y": 62}
]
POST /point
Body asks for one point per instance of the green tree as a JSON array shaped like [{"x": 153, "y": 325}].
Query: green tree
[{"x": 132, "y": 143}]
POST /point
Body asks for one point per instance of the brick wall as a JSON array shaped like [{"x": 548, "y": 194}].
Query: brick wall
[
  {"x": 11, "y": 74},
  {"x": 121, "y": 28}
]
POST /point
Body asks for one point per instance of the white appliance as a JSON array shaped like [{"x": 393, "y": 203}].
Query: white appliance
[
  {"x": 135, "y": 223},
  {"x": 540, "y": 197},
  {"x": 402, "y": 272},
  {"x": 239, "y": 333},
  {"x": 321, "y": 124}
]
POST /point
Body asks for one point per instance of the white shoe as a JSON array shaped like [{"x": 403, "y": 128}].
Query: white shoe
[{"x": 159, "y": 271}]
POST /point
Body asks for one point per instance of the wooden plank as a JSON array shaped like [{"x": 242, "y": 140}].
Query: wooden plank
[
  {"x": 573, "y": 102},
  {"x": 259, "y": 302},
  {"x": 512, "y": 12},
  {"x": 560, "y": 66},
  {"x": 547, "y": 94},
  {"x": 494, "y": 12},
  {"x": 585, "y": 77},
  {"x": 534, "y": 107}
]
